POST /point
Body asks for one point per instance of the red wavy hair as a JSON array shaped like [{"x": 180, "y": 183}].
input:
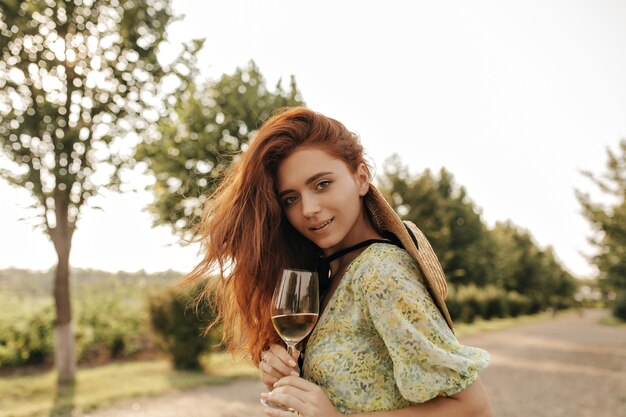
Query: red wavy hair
[{"x": 244, "y": 234}]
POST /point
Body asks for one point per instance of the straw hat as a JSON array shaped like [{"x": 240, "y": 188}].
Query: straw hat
[{"x": 386, "y": 220}]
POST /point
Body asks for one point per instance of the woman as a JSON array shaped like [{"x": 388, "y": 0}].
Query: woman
[{"x": 383, "y": 345}]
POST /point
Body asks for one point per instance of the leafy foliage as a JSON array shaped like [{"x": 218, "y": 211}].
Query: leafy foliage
[
  {"x": 469, "y": 302},
  {"x": 472, "y": 255},
  {"x": 179, "y": 321},
  {"x": 445, "y": 214},
  {"x": 79, "y": 82},
  {"x": 619, "y": 305},
  {"x": 116, "y": 325},
  {"x": 26, "y": 337},
  {"x": 609, "y": 220},
  {"x": 521, "y": 266},
  {"x": 198, "y": 141},
  {"x": 112, "y": 316},
  {"x": 76, "y": 78}
]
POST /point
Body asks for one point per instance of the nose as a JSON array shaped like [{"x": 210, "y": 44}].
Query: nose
[{"x": 310, "y": 206}]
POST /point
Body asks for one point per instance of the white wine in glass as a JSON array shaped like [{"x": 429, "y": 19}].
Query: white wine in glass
[{"x": 295, "y": 307}]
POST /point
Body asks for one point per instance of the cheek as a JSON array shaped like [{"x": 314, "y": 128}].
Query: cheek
[{"x": 347, "y": 200}]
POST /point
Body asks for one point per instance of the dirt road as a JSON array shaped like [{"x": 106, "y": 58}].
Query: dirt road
[{"x": 569, "y": 366}]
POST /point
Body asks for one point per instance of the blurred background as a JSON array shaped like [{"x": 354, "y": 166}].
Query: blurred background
[{"x": 498, "y": 128}]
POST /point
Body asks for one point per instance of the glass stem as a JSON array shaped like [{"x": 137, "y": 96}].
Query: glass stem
[{"x": 290, "y": 348}]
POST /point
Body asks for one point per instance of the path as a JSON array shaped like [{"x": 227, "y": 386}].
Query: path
[{"x": 570, "y": 366}]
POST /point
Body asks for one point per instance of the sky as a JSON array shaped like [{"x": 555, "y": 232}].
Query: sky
[{"x": 514, "y": 98}]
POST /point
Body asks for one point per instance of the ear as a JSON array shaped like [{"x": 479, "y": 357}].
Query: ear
[{"x": 362, "y": 177}]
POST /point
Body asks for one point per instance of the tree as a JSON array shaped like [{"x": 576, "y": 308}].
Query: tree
[
  {"x": 450, "y": 220},
  {"x": 609, "y": 221},
  {"x": 77, "y": 80},
  {"x": 194, "y": 145},
  {"x": 471, "y": 253},
  {"x": 523, "y": 267}
]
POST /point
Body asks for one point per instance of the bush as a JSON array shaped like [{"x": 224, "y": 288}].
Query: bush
[
  {"x": 518, "y": 304},
  {"x": 110, "y": 321},
  {"x": 453, "y": 304},
  {"x": 471, "y": 305},
  {"x": 179, "y": 323},
  {"x": 535, "y": 305},
  {"x": 619, "y": 305},
  {"x": 27, "y": 340},
  {"x": 467, "y": 303},
  {"x": 495, "y": 303}
]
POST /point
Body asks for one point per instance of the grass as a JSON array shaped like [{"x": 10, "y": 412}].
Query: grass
[
  {"x": 483, "y": 326},
  {"x": 611, "y": 320},
  {"x": 37, "y": 394}
]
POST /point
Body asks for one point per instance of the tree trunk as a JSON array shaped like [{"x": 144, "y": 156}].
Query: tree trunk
[{"x": 64, "y": 352}]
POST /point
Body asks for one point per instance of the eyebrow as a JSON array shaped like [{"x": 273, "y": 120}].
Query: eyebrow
[{"x": 307, "y": 182}]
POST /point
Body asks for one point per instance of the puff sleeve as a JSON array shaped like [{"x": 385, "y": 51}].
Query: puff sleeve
[{"x": 428, "y": 360}]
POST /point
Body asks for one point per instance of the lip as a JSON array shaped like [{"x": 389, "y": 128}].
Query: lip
[{"x": 325, "y": 224}]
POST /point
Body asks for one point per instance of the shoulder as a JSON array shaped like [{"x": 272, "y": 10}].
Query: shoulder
[
  {"x": 384, "y": 252},
  {"x": 384, "y": 264}
]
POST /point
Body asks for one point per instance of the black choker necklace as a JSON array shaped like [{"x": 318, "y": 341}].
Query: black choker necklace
[{"x": 323, "y": 268}]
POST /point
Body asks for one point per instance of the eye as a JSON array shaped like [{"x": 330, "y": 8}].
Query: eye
[
  {"x": 290, "y": 200},
  {"x": 322, "y": 185}
]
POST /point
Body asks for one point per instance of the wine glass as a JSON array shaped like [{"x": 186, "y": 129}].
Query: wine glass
[{"x": 295, "y": 307}]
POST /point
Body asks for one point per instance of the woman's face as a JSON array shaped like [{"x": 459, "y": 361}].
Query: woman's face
[{"x": 321, "y": 197}]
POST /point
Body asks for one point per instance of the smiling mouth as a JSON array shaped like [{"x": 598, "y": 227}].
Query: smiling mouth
[{"x": 321, "y": 226}]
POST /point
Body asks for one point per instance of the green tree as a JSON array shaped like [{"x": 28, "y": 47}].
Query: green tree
[
  {"x": 77, "y": 80},
  {"x": 521, "y": 266},
  {"x": 470, "y": 253},
  {"x": 450, "y": 220},
  {"x": 211, "y": 123},
  {"x": 609, "y": 221}
]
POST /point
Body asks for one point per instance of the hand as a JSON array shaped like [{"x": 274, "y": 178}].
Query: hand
[
  {"x": 303, "y": 396},
  {"x": 276, "y": 364}
]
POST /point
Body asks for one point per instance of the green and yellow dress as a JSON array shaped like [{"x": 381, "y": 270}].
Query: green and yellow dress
[{"x": 381, "y": 343}]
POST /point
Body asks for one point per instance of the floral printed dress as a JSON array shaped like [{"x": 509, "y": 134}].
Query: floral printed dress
[{"x": 381, "y": 343}]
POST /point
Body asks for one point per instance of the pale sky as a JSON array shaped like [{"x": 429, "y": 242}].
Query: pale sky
[{"x": 514, "y": 98}]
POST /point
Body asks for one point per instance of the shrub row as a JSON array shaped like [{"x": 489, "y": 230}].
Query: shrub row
[
  {"x": 26, "y": 338},
  {"x": 120, "y": 321},
  {"x": 109, "y": 322},
  {"x": 619, "y": 305},
  {"x": 467, "y": 303}
]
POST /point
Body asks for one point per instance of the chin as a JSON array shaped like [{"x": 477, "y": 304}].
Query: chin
[{"x": 327, "y": 244}]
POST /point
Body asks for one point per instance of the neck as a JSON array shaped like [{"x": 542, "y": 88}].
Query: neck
[{"x": 361, "y": 231}]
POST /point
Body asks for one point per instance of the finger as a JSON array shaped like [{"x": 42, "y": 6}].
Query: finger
[
  {"x": 289, "y": 399},
  {"x": 268, "y": 369},
  {"x": 275, "y": 366},
  {"x": 269, "y": 381},
  {"x": 272, "y": 412},
  {"x": 271, "y": 403},
  {"x": 281, "y": 353},
  {"x": 292, "y": 392},
  {"x": 280, "y": 361},
  {"x": 296, "y": 382}
]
